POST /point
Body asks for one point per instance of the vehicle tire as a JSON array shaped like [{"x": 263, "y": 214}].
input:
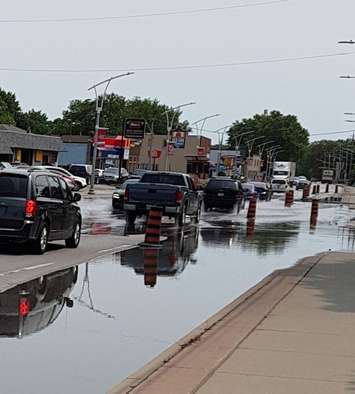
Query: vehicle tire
[
  {"x": 131, "y": 218},
  {"x": 182, "y": 218},
  {"x": 74, "y": 240},
  {"x": 197, "y": 217},
  {"x": 39, "y": 246}
]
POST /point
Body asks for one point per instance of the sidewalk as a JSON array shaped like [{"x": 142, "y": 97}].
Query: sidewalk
[
  {"x": 101, "y": 191},
  {"x": 292, "y": 333}
]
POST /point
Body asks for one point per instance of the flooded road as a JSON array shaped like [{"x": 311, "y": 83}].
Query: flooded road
[{"x": 88, "y": 328}]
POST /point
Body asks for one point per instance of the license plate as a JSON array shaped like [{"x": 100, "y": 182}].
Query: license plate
[{"x": 220, "y": 194}]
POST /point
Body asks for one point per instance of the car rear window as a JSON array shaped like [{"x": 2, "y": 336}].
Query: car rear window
[
  {"x": 221, "y": 184},
  {"x": 13, "y": 186},
  {"x": 166, "y": 179}
]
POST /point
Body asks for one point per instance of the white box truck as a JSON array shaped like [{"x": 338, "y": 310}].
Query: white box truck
[{"x": 283, "y": 172}]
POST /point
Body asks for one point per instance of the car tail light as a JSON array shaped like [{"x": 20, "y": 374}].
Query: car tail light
[
  {"x": 178, "y": 196},
  {"x": 126, "y": 195},
  {"x": 30, "y": 208},
  {"x": 23, "y": 307}
]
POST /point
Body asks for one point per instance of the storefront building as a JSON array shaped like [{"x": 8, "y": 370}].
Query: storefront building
[{"x": 20, "y": 146}]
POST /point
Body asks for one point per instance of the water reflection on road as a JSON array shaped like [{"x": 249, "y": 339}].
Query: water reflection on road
[{"x": 129, "y": 307}]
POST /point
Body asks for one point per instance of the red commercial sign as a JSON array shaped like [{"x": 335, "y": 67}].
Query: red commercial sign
[
  {"x": 156, "y": 153},
  {"x": 201, "y": 151}
]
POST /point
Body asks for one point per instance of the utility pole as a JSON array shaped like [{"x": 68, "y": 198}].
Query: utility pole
[{"x": 99, "y": 107}]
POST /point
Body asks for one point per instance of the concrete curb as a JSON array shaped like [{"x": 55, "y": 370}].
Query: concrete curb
[{"x": 137, "y": 378}]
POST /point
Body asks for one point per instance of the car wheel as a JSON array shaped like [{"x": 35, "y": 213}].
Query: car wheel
[
  {"x": 74, "y": 240},
  {"x": 131, "y": 218},
  {"x": 197, "y": 217},
  {"x": 39, "y": 246},
  {"x": 182, "y": 217}
]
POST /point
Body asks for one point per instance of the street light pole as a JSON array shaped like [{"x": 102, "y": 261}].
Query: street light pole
[
  {"x": 99, "y": 107},
  {"x": 169, "y": 126}
]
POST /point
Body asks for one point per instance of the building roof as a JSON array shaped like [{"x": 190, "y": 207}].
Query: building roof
[
  {"x": 13, "y": 137},
  {"x": 76, "y": 139}
]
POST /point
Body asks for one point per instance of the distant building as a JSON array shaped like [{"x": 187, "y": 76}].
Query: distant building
[
  {"x": 189, "y": 156},
  {"x": 76, "y": 150},
  {"x": 17, "y": 145}
]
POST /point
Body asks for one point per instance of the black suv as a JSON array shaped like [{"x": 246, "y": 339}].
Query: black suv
[
  {"x": 222, "y": 192},
  {"x": 37, "y": 207}
]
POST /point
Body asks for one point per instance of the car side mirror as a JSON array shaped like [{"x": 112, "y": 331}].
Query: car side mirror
[{"x": 76, "y": 197}]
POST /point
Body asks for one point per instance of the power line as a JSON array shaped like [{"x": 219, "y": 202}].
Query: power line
[
  {"x": 136, "y": 16},
  {"x": 333, "y": 132},
  {"x": 178, "y": 67}
]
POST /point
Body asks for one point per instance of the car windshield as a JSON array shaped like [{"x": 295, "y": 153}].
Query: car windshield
[
  {"x": 221, "y": 184},
  {"x": 168, "y": 179},
  {"x": 13, "y": 186},
  {"x": 279, "y": 182}
]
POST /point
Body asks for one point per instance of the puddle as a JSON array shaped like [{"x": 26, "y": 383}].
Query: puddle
[{"x": 87, "y": 330}]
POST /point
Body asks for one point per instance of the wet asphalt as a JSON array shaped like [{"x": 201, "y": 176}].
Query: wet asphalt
[{"x": 89, "y": 327}]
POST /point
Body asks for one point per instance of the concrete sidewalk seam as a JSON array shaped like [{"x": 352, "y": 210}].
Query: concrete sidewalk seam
[{"x": 280, "y": 377}]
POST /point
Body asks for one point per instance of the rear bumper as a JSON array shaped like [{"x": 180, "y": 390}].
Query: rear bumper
[
  {"x": 220, "y": 202},
  {"x": 26, "y": 233},
  {"x": 143, "y": 209}
]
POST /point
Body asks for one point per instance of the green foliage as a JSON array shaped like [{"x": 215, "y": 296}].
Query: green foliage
[
  {"x": 321, "y": 154},
  {"x": 80, "y": 116},
  {"x": 284, "y": 130}
]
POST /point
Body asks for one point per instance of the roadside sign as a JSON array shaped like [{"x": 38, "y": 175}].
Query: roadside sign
[
  {"x": 201, "y": 151},
  {"x": 178, "y": 139},
  {"x": 327, "y": 175},
  {"x": 156, "y": 153},
  {"x": 134, "y": 128}
]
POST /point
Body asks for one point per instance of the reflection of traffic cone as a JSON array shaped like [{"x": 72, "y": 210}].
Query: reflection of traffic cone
[
  {"x": 250, "y": 228},
  {"x": 306, "y": 190},
  {"x": 314, "y": 212},
  {"x": 150, "y": 261},
  {"x": 252, "y": 209},
  {"x": 152, "y": 231},
  {"x": 289, "y": 198}
]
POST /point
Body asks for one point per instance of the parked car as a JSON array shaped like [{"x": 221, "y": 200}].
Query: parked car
[
  {"x": 222, "y": 192},
  {"x": 99, "y": 175},
  {"x": 82, "y": 170},
  {"x": 248, "y": 191},
  {"x": 4, "y": 165},
  {"x": 75, "y": 182},
  {"x": 111, "y": 175},
  {"x": 279, "y": 185},
  {"x": 262, "y": 190},
  {"x": 118, "y": 194},
  {"x": 174, "y": 192},
  {"x": 38, "y": 207}
]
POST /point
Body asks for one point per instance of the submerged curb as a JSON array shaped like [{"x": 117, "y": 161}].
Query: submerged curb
[{"x": 299, "y": 271}]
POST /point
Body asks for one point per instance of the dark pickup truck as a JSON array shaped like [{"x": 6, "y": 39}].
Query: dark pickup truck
[{"x": 174, "y": 192}]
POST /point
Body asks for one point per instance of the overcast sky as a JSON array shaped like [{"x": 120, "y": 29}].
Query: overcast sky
[{"x": 309, "y": 89}]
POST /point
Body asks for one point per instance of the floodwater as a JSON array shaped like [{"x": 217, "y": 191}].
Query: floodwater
[{"x": 89, "y": 327}]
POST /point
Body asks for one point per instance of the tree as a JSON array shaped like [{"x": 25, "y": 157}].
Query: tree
[
  {"x": 35, "y": 121},
  {"x": 80, "y": 116},
  {"x": 284, "y": 130},
  {"x": 324, "y": 154}
]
